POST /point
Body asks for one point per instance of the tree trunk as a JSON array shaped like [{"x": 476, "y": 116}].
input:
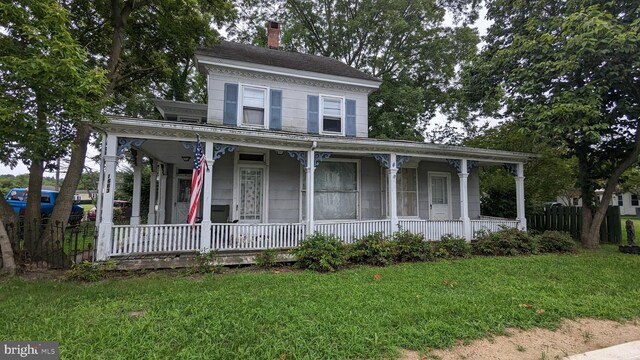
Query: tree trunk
[
  {"x": 32, "y": 217},
  {"x": 8, "y": 262},
  {"x": 7, "y": 216}
]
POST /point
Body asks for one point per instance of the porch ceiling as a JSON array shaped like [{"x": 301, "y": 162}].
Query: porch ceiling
[{"x": 170, "y": 135}]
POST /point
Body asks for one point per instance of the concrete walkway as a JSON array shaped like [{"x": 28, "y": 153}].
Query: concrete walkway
[{"x": 628, "y": 351}]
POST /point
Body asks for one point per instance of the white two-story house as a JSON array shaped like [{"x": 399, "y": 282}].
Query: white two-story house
[{"x": 285, "y": 137}]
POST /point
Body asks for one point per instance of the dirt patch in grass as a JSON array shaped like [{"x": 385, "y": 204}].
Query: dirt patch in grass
[{"x": 572, "y": 337}]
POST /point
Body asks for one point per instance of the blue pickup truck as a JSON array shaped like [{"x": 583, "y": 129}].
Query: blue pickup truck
[{"x": 17, "y": 198}]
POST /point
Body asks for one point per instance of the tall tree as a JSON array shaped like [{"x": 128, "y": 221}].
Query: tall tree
[
  {"x": 136, "y": 42},
  {"x": 46, "y": 89},
  {"x": 406, "y": 43},
  {"x": 569, "y": 71}
]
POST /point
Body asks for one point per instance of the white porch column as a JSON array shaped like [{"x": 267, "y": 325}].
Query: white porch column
[
  {"x": 137, "y": 184},
  {"x": 464, "y": 200},
  {"x": 205, "y": 228},
  {"x": 108, "y": 189},
  {"x": 101, "y": 171},
  {"x": 520, "y": 197},
  {"x": 392, "y": 172},
  {"x": 162, "y": 193},
  {"x": 310, "y": 172},
  {"x": 151, "y": 216}
]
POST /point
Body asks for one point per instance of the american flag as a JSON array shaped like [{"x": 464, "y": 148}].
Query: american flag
[{"x": 199, "y": 163}]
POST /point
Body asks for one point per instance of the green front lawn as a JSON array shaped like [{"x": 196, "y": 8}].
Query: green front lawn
[{"x": 294, "y": 315}]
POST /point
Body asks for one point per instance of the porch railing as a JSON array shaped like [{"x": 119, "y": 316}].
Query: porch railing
[
  {"x": 432, "y": 229},
  {"x": 256, "y": 236},
  {"x": 129, "y": 239},
  {"x": 349, "y": 231},
  {"x": 492, "y": 225}
]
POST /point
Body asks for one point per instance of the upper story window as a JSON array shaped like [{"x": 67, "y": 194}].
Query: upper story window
[
  {"x": 620, "y": 202},
  {"x": 634, "y": 200},
  {"x": 332, "y": 110},
  {"x": 253, "y": 106}
]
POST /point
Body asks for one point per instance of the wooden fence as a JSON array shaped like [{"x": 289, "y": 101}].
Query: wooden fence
[{"x": 569, "y": 219}]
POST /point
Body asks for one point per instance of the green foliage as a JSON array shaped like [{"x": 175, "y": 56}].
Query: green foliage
[
  {"x": 412, "y": 247},
  {"x": 324, "y": 253},
  {"x": 89, "y": 272},
  {"x": 206, "y": 263},
  {"x": 267, "y": 258},
  {"x": 556, "y": 241},
  {"x": 505, "y": 242},
  {"x": 545, "y": 70},
  {"x": 374, "y": 249},
  {"x": 452, "y": 247}
]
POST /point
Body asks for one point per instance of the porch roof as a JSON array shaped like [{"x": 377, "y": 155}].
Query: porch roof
[{"x": 284, "y": 140}]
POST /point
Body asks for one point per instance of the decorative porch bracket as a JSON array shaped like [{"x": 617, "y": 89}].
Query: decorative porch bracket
[
  {"x": 457, "y": 164},
  {"x": 301, "y": 156},
  {"x": 511, "y": 168},
  {"x": 319, "y": 156},
  {"x": 384, "y": 160},
  {"x": 125, "y": 144},
  {"x": 221, "y": 149}
]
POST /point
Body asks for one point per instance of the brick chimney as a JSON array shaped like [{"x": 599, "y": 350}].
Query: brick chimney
[{"x": 273, "y": 35}]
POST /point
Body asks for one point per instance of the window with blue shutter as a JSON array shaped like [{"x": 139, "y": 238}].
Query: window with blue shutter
[
  {"x": 275, "y": 110},
  {"x": 350, "y": 125},
  {"x": 230, "y": 110},
  {"x": 313, "y": 114}
]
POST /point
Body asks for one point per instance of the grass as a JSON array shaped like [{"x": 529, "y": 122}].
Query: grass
[{"x": 306, "y": 315}]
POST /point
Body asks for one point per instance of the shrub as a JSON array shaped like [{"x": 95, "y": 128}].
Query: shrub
[
  {"x": 505, "y": 242},
  {"x": 374, "y": 249},
  {"x": 205, "y": 262},
  {"x": 452, "y": 247},
  {"x": 321, "y": 253},
  {"x": 268, "y": 258},
  {"x": 412, "y": 247},
  {"x": 90, "y": 272},
  {"x": 556, "y": 241}
]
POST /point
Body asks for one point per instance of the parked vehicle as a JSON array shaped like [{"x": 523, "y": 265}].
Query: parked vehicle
[
  {"x": 121, "y": 211},
  {"x": 17, "y": 198}
]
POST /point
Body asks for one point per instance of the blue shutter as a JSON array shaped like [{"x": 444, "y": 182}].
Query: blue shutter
[
  {"x": 313, "y": 114},
  {"x": 350, "y": 126},
  {"x": 275, "y": 111},
  {"x": 230, "y": 111}
]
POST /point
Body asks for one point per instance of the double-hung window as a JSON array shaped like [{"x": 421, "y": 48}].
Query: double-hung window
[
  {"x": 336, "y": 195},
  {"x": 634, "y": 200},
  {"x": 332, "y": 111},
  {"x": 406, "y": 192},
  {"x": 254, "y": 101}
]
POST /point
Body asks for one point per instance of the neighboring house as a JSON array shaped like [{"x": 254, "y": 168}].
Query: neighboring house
[
  {"x": 85, "y": 196},
  {"x": 286, "y": 141},
  {"x": 628, "y": 202}
]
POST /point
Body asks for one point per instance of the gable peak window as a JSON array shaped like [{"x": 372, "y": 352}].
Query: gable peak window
[
  {"x": 253, "y": 106},
  {"x": 332, "y": 114}
]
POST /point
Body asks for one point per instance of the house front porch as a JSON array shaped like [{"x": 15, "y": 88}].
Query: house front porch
[{"x": 270, "y": 190}]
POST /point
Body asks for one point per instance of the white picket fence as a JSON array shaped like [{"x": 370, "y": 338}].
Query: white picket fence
[
  {"x": 149, "y": 239},
  {"x": 256, "y": 236},
  {"x": 127, "y": 239},
  {"x": 492, "y": 225},
  {"x": 349, "y": 231},
  {"x": 432, "y": 229}
]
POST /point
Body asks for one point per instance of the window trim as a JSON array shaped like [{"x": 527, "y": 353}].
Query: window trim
[
  {"x": 343, "y": 116},
  {"x": 385, "y": 191},
  {"x": 267, "y": 100},
  {"x": 303, "y": 191}
]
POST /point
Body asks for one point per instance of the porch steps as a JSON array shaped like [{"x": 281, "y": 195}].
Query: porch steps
[{"x": 183, "y": 259}]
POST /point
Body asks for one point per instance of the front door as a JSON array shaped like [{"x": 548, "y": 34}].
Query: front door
[
  {"x": 250, "y": 196},
  {"x": 183, "y": 197},
  {"x": 439, "y": 196}
]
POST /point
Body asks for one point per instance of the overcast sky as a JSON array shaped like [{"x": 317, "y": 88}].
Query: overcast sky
[{"x": 482, "y": 24}]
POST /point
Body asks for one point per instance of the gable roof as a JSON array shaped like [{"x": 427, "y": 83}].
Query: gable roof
[{"x": 285, "y": 59}]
